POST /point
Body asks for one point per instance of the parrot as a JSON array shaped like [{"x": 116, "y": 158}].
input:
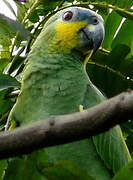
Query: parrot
[{"x": 55, "y": 82}]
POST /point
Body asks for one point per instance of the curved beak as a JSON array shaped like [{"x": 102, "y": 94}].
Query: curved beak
[{"x": 95, "y": 35}]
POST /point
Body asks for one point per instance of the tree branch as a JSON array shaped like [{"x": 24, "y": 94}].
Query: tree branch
[{"x": 67, "y": 128}]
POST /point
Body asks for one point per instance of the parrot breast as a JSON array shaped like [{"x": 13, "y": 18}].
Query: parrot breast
[{"x": 53, "y": 84}]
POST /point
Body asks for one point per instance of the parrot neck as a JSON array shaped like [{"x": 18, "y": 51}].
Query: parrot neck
[
  {"x": 48, "y": 61},
  {"x": 48, "y": 52}
]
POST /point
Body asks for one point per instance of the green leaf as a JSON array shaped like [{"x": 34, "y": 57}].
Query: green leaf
[
  {"x": 3, "y": 63},
  {"x": 64, "y": 170},
  {"x": 34, "y": 17},
  {"x": 119, "y": 3},
  {"x": 118, "y": 61},
  {"x": 26, "y": 167},
  {"x": 5, "y": 54},
  {"x": 88, "y": 161},
  {"x": 7, "y": 81},
  {"x": 114, "y": 152},
  {"x": 16, "y": 63},
  {"x": 22, "y": 9},
  {"x": 111, "y": 28},
  {"x": 3, "y": 93},
  {"x": 5, "y": 105},
  {"x": 9, "y": 28},
  {"x": 125, "y": 173},
  {"x": 129, "y": 139},
  {"x": 127, "y": 129},
  {"x": 5, "y": 41},
  {"x": 3, "y": 166},
  {"x": 125, "y": 35},
  {"x": 126, "y": 14},
  {"x": 120, "y": 51},
  {"x": 43, "y": 7},
  {"x": 122, "y": 7}
]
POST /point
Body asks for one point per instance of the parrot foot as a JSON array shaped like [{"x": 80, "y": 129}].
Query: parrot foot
[
  {"x": 81, "y": 108},
  {"x": 10, "y": 125}
]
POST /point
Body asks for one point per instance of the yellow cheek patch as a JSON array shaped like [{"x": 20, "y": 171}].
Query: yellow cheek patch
[{"x": 66, "y": 34}]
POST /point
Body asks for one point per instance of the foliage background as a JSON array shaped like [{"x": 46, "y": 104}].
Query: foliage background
[{"x": 110, "y": 69}]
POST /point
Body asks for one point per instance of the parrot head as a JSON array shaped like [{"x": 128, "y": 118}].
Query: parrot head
[{"x": 75, "y": 28}]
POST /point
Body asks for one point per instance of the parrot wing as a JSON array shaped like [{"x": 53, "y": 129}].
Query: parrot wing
[{"x": 110, "y": 145}]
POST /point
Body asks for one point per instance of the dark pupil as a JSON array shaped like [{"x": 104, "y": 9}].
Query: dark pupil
[
  {"x": 95, "y": 21},
  {"x": 68, "y": 16}
]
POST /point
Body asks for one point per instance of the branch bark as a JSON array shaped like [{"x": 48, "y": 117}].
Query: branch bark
[{"x": 67, "y": 128}]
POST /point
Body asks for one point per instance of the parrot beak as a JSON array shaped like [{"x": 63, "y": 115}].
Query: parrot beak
[{"x": 94, "y": 35}]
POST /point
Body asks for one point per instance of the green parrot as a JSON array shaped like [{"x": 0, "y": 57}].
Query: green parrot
[{"x": 55, "y": 82}]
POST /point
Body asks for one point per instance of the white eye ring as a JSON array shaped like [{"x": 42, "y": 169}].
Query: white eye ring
[{"x": 94, "y": 20}]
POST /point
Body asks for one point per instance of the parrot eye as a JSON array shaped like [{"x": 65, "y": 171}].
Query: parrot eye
[
  {"x": 67, "y": 15},
  {"x": 94, "y": 20}
]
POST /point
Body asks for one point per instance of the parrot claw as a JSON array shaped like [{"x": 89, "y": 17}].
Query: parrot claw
[{"x": 81, "y": 108}]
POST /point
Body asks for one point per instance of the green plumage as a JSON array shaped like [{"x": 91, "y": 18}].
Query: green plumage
[
  {"x": 47, "y": 86},
  {"x": 54, "y": 82}
]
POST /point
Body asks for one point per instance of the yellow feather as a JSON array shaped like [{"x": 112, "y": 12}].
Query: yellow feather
[{"x": 67, "y": 34}]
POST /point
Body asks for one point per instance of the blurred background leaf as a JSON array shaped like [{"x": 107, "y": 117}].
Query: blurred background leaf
[
  {"x": 125, "y": 173},
  {"x": 7, "y": 81},
  {"x": 26, "y": 167},
  {"x": 64, "y": 170}
]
